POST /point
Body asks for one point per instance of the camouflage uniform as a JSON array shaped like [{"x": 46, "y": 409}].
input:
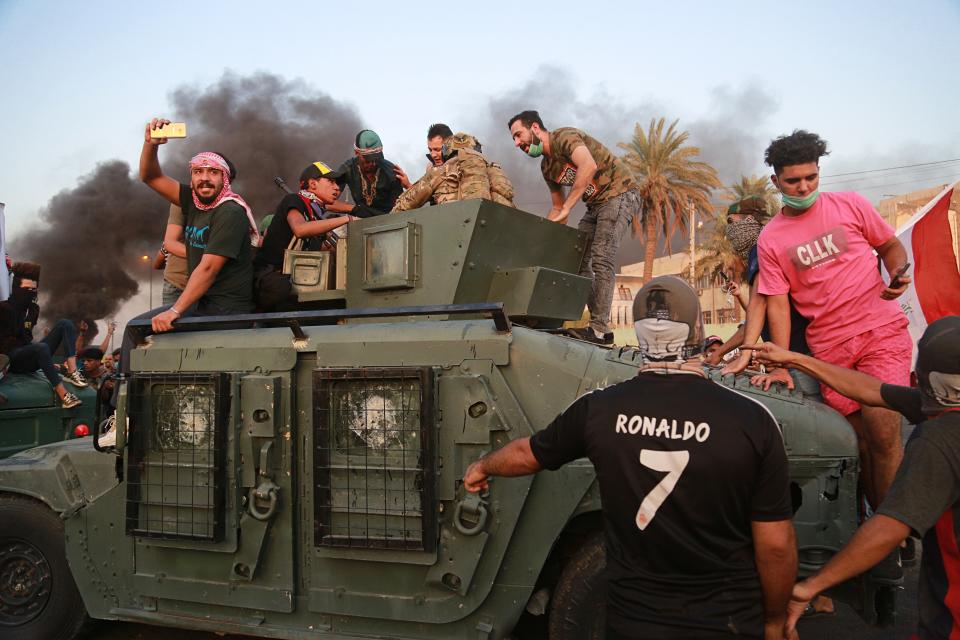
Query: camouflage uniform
[{"x": 465, "y": 176}]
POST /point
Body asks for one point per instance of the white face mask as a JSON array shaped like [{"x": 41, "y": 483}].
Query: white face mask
[{"x": 660, "y": 339}]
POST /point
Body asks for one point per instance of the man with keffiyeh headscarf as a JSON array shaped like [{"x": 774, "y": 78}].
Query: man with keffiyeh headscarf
[
  {"x": 219, "y": 233},
  {"x": 375, "y": 183}
]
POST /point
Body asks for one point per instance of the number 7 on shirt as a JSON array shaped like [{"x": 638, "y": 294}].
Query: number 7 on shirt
[{"x": 672, "y": 463}]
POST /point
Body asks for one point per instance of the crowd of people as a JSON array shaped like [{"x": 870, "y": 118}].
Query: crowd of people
[
  {"x": 217, "y": 261},
  {"x": 64, "y": 353},
  {"x": 699, "y": 533}
]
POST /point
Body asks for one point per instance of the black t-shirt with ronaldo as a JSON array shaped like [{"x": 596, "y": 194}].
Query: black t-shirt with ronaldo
[{"x": 684, "y": 465}]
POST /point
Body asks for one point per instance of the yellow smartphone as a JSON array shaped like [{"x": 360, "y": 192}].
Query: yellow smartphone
[{"x": 170, "y": 130}]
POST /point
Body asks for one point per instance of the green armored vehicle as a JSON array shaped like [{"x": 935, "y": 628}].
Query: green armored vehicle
[
  {"x": 299, "y": 475},
  {"x": 31, "y": 415}
]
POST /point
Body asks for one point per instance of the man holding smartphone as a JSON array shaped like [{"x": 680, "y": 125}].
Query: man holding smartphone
[
  {"x": 818, "y": 253},
  {"x": 219, "y": 234}
]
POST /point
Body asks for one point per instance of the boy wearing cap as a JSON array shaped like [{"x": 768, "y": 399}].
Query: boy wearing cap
[
  {"x": 296, "y": 225},
  {"x": 219, "y": 235},
  {"x": 375, "y": 183}
]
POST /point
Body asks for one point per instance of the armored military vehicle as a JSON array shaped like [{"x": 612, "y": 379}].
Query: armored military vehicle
[
  {"x": 31, "y": 415},
  {"x": 299, "y": 475}
]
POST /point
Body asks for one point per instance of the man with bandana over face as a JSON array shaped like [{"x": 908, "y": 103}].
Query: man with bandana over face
[
  {"x": 219, "y": 234},
  {"x": 18, "y": 318},
  {"x": 571, "y": 158},
  {"x": 924, "y": 498},
  {"x": 696, "y": 505},
  {"x": 818, "y": 253},
  {"x": 745, "y": 220}
]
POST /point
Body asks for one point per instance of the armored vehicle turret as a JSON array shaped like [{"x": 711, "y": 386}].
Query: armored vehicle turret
[{"x": 297, "y": 475}]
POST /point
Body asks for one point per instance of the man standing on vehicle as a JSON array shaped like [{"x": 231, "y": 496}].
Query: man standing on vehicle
[
  {"x": 573, "y": 159},
  {"x": 696, "y": 505},
  {"x": 219, "y": 235},
  {"x": 924, "y": 498},
  {"x": 375, "y": 183},
  {"x": 818, "y": 252}
]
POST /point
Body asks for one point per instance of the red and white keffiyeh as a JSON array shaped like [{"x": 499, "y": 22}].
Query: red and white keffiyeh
[{"x": 215, "y": 161}]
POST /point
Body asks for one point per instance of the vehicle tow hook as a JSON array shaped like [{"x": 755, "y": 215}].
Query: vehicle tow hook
[
  {"x": 475, "y": 507},
  {"x": 267, "y": 489}
]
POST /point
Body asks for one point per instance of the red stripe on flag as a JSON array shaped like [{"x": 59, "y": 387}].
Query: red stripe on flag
[
  {"x": 935, "y": 274},
  {"x": 950, "y": 556}
]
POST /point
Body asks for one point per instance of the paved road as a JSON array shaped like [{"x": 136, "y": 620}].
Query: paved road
[{"x": 845, "y": 624}]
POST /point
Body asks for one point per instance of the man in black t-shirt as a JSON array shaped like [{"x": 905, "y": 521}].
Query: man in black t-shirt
[
  {"x": 219, "y": 234},
  {"x": 696, "y": 506},
  {"x": 924, "y": 498},
  {"x": 297, "y": 225}
]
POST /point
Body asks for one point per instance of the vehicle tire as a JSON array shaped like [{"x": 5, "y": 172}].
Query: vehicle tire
[
  {"x": 578, "y": 610},
  {"x": 38, "y": 598}
]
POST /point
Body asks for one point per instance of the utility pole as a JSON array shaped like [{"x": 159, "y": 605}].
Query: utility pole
[{"x": 692, "y": 217}]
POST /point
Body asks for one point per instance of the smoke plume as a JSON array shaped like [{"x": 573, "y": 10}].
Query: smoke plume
[
  {"x": 92, "y": 238},
  {"x": 91, "y": 241},
  {"x": 730, "y": 134}
]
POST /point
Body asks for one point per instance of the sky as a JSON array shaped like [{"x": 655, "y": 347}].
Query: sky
[{"x": 877, "y": 80}]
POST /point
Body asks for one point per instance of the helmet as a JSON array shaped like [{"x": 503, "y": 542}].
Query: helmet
[
  {"x": 459, "y": 141},
  {"x": 666, "y": 317}
]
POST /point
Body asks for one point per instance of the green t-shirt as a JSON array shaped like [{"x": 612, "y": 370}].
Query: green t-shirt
[
  {"x": 223, "y": 231},
  {"x": 612, "y": 178}
]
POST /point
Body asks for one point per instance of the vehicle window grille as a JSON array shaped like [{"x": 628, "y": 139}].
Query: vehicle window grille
[
  {"x": 374, "y": 452},
  {"x": 176, "y": 455}
]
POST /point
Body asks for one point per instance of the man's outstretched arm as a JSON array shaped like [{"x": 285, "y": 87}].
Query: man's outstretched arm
[
  {"x": 857, "y": 386},
  {"x": 870, "y": 544},
  {"x": 515, "y": 459}
]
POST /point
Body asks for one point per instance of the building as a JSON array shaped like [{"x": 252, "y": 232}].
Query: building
[{"x": 721, "y": 313}]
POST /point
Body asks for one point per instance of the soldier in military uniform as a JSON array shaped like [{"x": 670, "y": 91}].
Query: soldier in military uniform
[
  {"x": 465, "y": 174},
  {"x": 571, "y": 158}
]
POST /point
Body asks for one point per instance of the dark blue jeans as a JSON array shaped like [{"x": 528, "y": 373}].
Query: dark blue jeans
[{"x": 39, "y": 355}]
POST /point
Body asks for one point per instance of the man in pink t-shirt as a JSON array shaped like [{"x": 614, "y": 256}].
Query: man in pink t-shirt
[{"x": 818, "y": 252}]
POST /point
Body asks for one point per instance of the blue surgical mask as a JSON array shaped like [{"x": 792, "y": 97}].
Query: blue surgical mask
[{"x": 800, "y": 204}]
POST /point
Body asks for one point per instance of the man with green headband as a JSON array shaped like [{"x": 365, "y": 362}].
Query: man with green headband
[
  {"x": 375, "y": 183},
  {"x": 571, "y": 158},
  {"x": 818, "y": 253}
]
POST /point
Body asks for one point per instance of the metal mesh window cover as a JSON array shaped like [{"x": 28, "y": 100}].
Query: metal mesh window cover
[
  {"x": 176, "y": 455},
  {"x": 374, "y": 452}
]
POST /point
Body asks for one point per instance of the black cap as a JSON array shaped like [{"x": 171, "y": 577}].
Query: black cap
[{"x": 317, "y": 170}]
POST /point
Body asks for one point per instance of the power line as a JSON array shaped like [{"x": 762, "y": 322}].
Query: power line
[{"x": 904, "y": 166}]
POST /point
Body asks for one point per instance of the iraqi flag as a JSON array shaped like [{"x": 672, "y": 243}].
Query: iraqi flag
[{"x": 930, "y": 243}]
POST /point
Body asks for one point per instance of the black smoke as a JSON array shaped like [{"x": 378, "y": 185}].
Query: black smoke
[
  {"x": 267, "y": 126},
  {"x": 91, "y": 239},
  {"x": 90, "y": 243}
]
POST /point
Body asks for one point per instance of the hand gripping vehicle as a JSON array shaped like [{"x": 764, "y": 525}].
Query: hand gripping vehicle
[{"x": 298, "y": 475}]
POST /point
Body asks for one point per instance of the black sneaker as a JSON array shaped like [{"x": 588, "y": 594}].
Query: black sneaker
[
  {"x": 889, "y": 569},
  {"x": 589, "y": 335},
  {"x": 908, "y": 552}
]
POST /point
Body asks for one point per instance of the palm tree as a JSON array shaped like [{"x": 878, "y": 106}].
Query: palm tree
[{"x": 672, "y": 184}]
